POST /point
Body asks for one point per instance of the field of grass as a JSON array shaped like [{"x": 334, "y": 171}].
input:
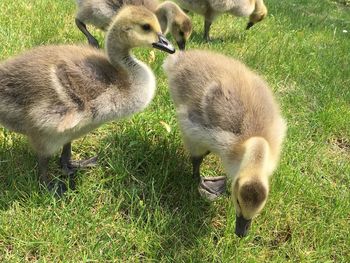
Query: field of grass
[{"x": 141, "y": 203}]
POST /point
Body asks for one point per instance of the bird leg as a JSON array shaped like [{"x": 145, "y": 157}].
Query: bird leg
[
  {"x": 92, "y": 41},
  {"x": 208, "y": 20},
  {"x": 70, "y": 166},
  {"x": 207, "y": 24},
  {"x": 43, "y": 163},
  {"x": 196, "y": 163},
  {"x": 209, "y": 187},
  {"x": 55, "y": 186}
]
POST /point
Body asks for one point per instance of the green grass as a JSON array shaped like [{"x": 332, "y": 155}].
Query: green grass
[{"x": 141, "y": 203}]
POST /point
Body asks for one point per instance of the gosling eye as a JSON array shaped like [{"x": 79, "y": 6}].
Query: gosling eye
[
  {"x": 181, "y": 33},
  {"x": 146, "y": 27}
]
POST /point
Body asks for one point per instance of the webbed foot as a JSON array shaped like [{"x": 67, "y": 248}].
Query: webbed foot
[
  {"x": 212, "y": 187},
  {"x": 71, "y": 166},
  {"x": 58, "y": 187}
]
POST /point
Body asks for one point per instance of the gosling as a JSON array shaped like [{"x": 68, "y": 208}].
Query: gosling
[
  {"x": 101, "y": 12},
  {"x": 210, "y": 9},
  {"x": 225, "y": 108},
  {"x": 55, "y": 94}
]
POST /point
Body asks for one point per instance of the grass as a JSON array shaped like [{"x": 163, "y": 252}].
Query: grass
[{"x": 141, "y": 203}]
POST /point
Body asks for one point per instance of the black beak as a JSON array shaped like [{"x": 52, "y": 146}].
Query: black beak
[
  {"x": 242, "y": 226},
  {"x": 249, "y": 25},
  {"x": 181, "y": 44},
  {"x": 164, "y": 44}
]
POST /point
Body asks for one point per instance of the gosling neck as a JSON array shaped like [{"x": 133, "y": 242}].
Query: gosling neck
[
  {"x": 141, "y": 78},
  {"x": 119, "y": 55},
  {"x": 256, "y": 162},
  {"x": 260, "y": 7},
  {"x": 165, "y": 13},
  {"x": 251, "y": 158}
]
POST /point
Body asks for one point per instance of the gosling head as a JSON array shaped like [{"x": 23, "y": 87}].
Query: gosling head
[
  {"x": 249, "y": 197},
  {"x": 257, "y": 16},
  {"x": 136, "y": 26},
  {"x": 181, "y": 29}
]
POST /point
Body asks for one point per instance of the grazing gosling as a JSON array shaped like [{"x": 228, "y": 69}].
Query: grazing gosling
[
  {"x": 55, "y": 94},
  {"x": 101, "y": 12},
  {"x": 210, "y": 9},
  {"x": 225, "y": 108},
  {"x": 172, "y": 19}
]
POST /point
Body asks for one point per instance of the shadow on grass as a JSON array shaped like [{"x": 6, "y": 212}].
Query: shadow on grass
[
  {"x": 18, "y": 173},
  {"x": 156, "y": 178},
  {"x": 147, "y": 169}
]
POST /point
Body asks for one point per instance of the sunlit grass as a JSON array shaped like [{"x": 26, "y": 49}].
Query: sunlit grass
[{"x": 141, "y": 203}]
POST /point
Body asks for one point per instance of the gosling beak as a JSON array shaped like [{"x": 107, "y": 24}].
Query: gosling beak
[
  {"x": 181, "y": 44},
  {"x": 164, "y": 44},
  {"x": 242, "y": 226},
  {"x": 249, "y": 25}
]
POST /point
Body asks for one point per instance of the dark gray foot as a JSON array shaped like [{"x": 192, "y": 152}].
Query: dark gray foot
[
  {"x": 58, "y": 188},
  {"x": 72, "y": 166},
  {"x": 209, "y": 187},
  {"x": 55, "y": 186},
  {"x": 76, "y": 164},
  {"x": 212, "y": 187}
]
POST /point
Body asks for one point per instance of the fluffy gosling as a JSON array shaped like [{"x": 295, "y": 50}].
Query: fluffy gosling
[
  {"x": 55, "y": 94},
  {"x": 226, "y": 109},
  {"x": 210, "y": 9},
  {"x": 101, "y": 12}
]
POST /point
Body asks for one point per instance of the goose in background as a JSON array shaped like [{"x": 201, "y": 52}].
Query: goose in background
[
  {"x": 210, "y": 9},
  {"x": 100, "y": 13}
]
